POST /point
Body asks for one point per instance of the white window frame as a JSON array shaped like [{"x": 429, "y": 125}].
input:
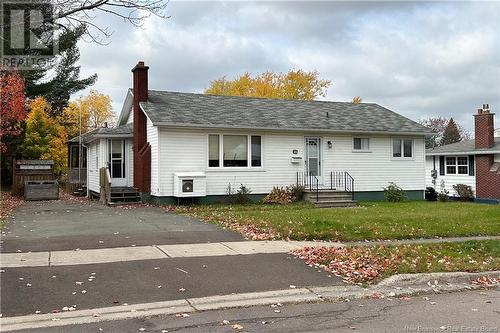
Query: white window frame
[
  {"x": 402, "y": 149},
  {"x": 456, "y": 165},
  {"x": 249, "y": 167},
  {"x": 354, "y": 150}
]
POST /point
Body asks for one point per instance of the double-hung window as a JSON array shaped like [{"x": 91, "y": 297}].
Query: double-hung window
[
  {"x": 230, "y": 150},
  {"x": 361, "y": 144},
  {"x": 457, "y": 165},
  {"x": 402, "y": 148}
]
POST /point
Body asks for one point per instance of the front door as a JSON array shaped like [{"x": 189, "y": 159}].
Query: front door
[
  {"x": 116, "y": 162},
  {"x": 313, "y": 158}
]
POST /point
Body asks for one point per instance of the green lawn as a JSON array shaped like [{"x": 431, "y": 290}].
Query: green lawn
[
  {"x": 377, "y": 220},
  {"x": 365, "y": 264}
]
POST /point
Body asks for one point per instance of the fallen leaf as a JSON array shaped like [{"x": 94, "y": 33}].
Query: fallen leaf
[{"x": 237, "y": 327}]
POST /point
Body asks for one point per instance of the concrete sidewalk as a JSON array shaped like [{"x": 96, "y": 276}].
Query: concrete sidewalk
[{"x": 97, "y": 256}]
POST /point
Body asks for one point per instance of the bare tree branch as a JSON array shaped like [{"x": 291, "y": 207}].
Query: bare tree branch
[{"x": 72, "y": 13}]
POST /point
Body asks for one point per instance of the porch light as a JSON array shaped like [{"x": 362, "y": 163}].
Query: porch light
[{"x": 330, "y": 144}]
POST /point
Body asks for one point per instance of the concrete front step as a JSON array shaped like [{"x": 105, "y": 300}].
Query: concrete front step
[
  {"x": 337, "y": 203},
  {"x": 328, "y": 196}
]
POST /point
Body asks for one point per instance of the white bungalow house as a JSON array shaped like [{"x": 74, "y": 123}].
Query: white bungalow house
[
  {"x": 475, "y": 163},
  {"x": 170, "y": 145}
]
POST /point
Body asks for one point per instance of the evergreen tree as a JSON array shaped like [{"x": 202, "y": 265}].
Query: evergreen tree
[
  {"x": 56, "y": 84},
  {"x": 451, "y": 133}
]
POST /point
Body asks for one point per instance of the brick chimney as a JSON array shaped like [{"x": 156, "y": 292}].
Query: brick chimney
[
  {"x": 140, "y": 144},
  {"x": 483, "y": 128}
]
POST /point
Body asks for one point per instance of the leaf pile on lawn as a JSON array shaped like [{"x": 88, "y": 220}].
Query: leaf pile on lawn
[
  {"x": 8, "y": 204},
  {"x": 366, "y": 264},
  {"x": 246, "y": 227},
  {"x": 354, "y": 265}
]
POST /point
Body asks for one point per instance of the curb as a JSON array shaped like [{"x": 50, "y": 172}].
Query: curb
[{"x": 397, "y": 285}]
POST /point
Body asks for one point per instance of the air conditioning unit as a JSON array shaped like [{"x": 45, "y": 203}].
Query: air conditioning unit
[{"x": 190, "y": 184}]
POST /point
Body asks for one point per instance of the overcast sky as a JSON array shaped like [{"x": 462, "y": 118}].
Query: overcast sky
[{"x": 417, "y": 58}]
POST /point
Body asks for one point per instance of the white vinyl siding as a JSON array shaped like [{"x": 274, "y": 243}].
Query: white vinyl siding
[
  {"x": 152, "y": 138},
  {"x": 98, "y": 158},
  {"x": 448, "y": 180},
  {"x": 187, "y": 151}
]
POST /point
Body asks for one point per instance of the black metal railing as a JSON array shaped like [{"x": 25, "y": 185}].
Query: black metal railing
[
  {"x": 349, "y": 184},
  {"x": 309, "y": 181},
  {"x": 339, "y": 180}
]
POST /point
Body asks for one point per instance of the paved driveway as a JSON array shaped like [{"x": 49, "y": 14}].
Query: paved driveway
[
  {"x": 64, "y": 225},
  {"x": 67, "y": 225}
]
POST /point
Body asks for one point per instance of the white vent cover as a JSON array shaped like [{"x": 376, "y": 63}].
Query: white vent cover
[{"x": 190, "y": 184}]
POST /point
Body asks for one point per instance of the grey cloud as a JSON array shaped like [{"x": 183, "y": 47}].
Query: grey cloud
[{"x": 418, "y": 58}]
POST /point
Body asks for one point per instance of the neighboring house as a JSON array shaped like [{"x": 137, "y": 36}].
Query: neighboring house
[
  {"x": 171, "y": 144},
  {"x": 471, "y": 162}
]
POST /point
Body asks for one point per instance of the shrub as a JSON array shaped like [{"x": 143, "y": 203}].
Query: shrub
[
  {"x": 297, "y": 191},
  {"x": 443, "y": 196},
  {"x": 464, "y": 192},
  {"x": 279, "y": 195},
  {"x": 241, "y": 196},
  {"x": 394, "y": 193},
  {"x": 431, "y": 194}
]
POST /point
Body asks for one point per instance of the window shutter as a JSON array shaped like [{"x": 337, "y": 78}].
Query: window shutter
[
  {"x": 441, "y": 165},
  {"x": 471, "y": 165}
]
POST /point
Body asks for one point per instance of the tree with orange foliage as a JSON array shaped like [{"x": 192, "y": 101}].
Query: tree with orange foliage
[
  {"x": 44, "y": 137},
  {"x": 12, "y": 109},
  {"x": 12, "y": 116},
  {"x": 296, "y": 84}
]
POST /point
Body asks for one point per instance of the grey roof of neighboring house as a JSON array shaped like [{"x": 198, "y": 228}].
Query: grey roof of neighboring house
[
  {"x": 104, "y": 132},
  {"x": 212, "y": 111},
  {"x": 462, "y": 147}
]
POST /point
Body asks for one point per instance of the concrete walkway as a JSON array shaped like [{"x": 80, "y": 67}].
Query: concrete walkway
[
  {"x": 98, "y": 256},
  {"x": 118, "y": 254}
]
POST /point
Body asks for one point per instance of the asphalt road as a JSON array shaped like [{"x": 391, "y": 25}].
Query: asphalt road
[
  {"x": 472, "y": 311},
  {"x": 29, "y": 289}
]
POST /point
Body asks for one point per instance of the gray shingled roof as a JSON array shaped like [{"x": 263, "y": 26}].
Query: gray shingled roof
[
  {"x": 211, "y": 111},
  {"x": 466, "y": 146},
  {"x": 120, "y": 131}
]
